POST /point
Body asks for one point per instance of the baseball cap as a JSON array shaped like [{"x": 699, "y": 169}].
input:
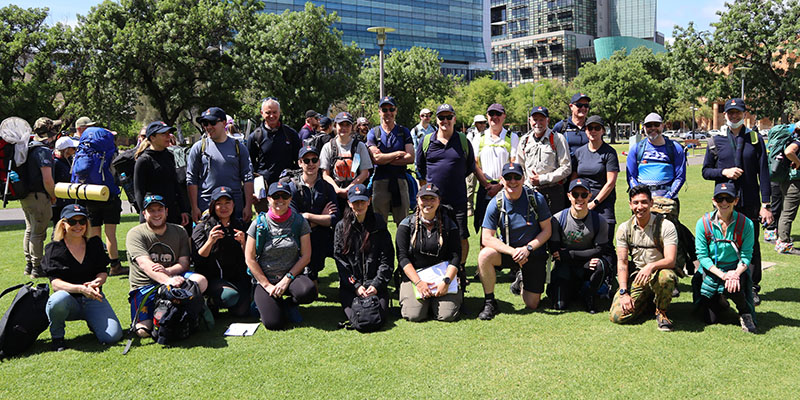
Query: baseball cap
[
  {"x": 84, "y": 121},
  {"x": 579, "y": 183},
  {"x": 311, "y": 114},
  {"x": 343, "y": 116},
  {"x": 157, "y": 127},
  {"x": 325, "y": 122},
  {"x": 512, "y": 168},
  {"x": 540, "y": 110},
  {"x": 72, "y": 210},
  {"x": 357, "y": 193},
  {"x": 307, "y": 149},
  {"x": 594, "y": 119},
  {"x": 724, "y": 188},
  {"x": 153, "y": 199},
  {"x": 222, "y": 191},
  {"x": 387, "y": 100},
  {"x": 734, "y": 104},
  {"x": 496, "y": 107},
  {"x": 428, "y": 190},
  {"x": 276, "y": 187},
  {"x": 212, "y": 114},
  {"x": 445, "y": 108},
  {"x": 362, "y": 120},
  {"x": 425, "y": 111},
  {"x": 65, "y": 142},
  {"x": 652, "y": 117},
  {"x": 577, "y": 96}
]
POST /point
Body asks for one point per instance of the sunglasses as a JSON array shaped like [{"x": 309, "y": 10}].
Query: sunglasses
[
  {"x": 425, "y": 115},
  {"x": 581, "y": 195},
  {"x": 495, "y": 113},
  {"x": 311, "y": 160},
  {"x": 73, "y": 221},
  {"x": 582, "y": 105},
  {"x": 445, "y": 117},
  {"x": 270, "y": 98},
  {"x": 207, "y": 122},
  {"x": 512, "y": 177},
  {"x": 720, "y": 199},
  {"x": 388, "y": 109},
  {"x": 652, "y": 125},
  {"x": 281, "y": 196},
  {"x": 153, "y": 197},
  {"x": 594, "y": 128}
]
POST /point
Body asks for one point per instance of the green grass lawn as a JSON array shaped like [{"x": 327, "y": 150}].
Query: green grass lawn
[{"x": 519, "y": 354}]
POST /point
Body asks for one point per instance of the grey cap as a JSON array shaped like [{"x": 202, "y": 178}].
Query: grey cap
[{"x": 653, "y": 117}]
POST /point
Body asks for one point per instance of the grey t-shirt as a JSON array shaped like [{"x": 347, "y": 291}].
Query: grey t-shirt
[
  {"x": 164, "y": 249},
  {"x": 219, "y": 165},
  {"x": 579, "y": 234},
  {"x": 282, "y": 251}
]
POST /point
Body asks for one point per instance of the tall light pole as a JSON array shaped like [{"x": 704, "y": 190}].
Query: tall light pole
[
  {"x": 381, "y": 31},
  {"x": 693, "y": 122},
  {"x": 533, "y": 100},
  {"x": 743, "y": 69}
]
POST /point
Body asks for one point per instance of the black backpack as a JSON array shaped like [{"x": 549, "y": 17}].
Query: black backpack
[
  {"x": 123, "y": 165},
  {"x": 178, "y": 311},
  {"x": 25, "y": 319},
  {"x": 367, "y": 314}
]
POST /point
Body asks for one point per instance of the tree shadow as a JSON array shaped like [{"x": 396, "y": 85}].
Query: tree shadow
[
  {"x": 767, "y": 320},
  {"x": 782, "y": 294}
]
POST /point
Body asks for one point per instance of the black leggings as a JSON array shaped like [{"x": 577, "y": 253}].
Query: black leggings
[
  {"x": 321, "y": 247},
  {"x": 567, "y": 282},
  {"x": 300, "y": 291},
  {"x": 243, "y": 287},
  {"x": 346, "y": 298},
  {"x": 710, "y": 308}
]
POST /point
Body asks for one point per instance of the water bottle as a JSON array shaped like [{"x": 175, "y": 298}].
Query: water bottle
[{"x": 13, "y": 176}]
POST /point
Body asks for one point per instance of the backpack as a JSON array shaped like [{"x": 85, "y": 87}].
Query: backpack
[
  {"x": 686, "y": 251},
  {"x": 506, "y": 144},
  {"x": 738, "y": 238},
  {"x": 177, "y": 313},
  {"x": 367, "y": 314},
  {"x": 264, "y": 235},
  {"x": 25, "y": 318},
  {"x": 778, "y": 138},
  {"x": 335, "y": 157},
  {"x": 318, "y": 140},
  {"x": 123, "y": 165},
  {"x": 523, "y": 141},
  {"x": 667, "y": 142},
  {"x": 532, "y": 209},
  {"x": 294, "y": 177},
  {"x": 93, "y": 158}
]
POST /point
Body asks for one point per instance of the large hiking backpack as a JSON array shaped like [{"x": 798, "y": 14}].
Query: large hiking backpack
[
  {"x": 177, "y": 312},
  {"x": 93, "y": 159},
  {"x": 347, "y": 160},
  {"x": 778, "y": 138},
  {"x": 123, "y": 165},
  {"x": 318, "y": 140},
  {"x": 25, "y": 319},
  {"x": 15, "y": 135}
]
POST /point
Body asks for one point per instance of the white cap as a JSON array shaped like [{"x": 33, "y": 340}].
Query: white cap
[
  {"x": 65, "y": 142},
  {"x": 652, "y": 117},
  {"x": 425, "y": 111},
  {"x": 479, "y": 118}
]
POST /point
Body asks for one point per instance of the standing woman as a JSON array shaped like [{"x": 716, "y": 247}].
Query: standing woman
[
  {"x": 426, "y": 238},
  {"x": 277, "y": 266},
  {"x": 724, "y": 241},
  {"x": 62, "y": 170},
  {"x": 363, "y": 252},
  {"x": 77, "y": 268},
  {"x": 218, "y": 242},
  {"x": 597, "y": 163},
  {"x": 155, "y": 173}
]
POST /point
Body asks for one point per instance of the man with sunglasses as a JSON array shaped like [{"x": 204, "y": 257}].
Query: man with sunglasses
[
  {"x": 316, "y": 200},
  {"x": 392, "y": 146},
  {"x": 423, "y": 128},
  {"x": 521, "y": 216},
  {"x": 657, "y": 162},
  {"x": 218, "y": 160},
  {"x": 544, "y": 156},
  {"x": 573, "y": 126}
]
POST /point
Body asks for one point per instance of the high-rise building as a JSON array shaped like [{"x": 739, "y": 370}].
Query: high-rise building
[
  {"x": 540, "y": 39},
  {"x": 457, "y": 29}
]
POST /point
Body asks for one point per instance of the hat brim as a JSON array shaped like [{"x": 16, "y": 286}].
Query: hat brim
[
  {"x": 146, "y": 206},
  {"x": 736, "y": 107},
  {"x": 359, "y": 197}
]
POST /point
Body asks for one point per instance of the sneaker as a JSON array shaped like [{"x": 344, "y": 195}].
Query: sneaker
[
  {"x": 490, "y": 309},
  {"x": 746, "y": 320},
  {"x": 117, "y": 269},
  {"x": 784, "y": 247},
  {"x": 61, "y": 345},
  {"x": 516, "y": 286},
  {"x": 756, "y": 299},
  {"x": 664, "y": 323},
  {"x": 28, "y": 268},
  {"x": 770, "y": 235},
  {"x": 676, "y": 292}
]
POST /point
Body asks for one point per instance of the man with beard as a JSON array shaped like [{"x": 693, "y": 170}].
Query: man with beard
[
  {"x": 544, "y": 157},
  {"x": 573, "y": 127},
  {"x": 159, "y": 254}
]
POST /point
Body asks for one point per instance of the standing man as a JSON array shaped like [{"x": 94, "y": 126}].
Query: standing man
[
  {"x": 423, "y": 128},
  {"x": 273, "y": 147},
  {"x": 41, "y": 194},
  {"x": 81, "y": 124},
  {"x": 219, "y": 160},
  {"x": 477, "y": 128},
  {"x": 648, "y": 276},
  {"x": 740, "y": 156},
  {"x": 393, "y": 149},
  {"x": 309, "y": 129},
  {"x": 573, "y": 127},
  {"x": 545, "y": 159},
  {"x": 790, "y": 191},
  {"x": 445, "y": 158}
]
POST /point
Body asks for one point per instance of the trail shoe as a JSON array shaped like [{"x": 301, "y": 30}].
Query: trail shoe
[
  {"x": 784, "y": 247},
  {"x": 770, "y": 235},
  {"x": 28, "y": 268},
  {"x": 746, "y": 320},
  {"x": 664, "y": 324},
  {"x": 61, "y": 345},
  {"x": 516, "y": 286},
  {"x": 117, "y": 269},
  {"x": 756, "y": 299},
  {"x": 490, "y": 309}
]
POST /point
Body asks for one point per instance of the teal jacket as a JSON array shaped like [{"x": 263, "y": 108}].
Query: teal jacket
[{"x": 723, "y": 255}]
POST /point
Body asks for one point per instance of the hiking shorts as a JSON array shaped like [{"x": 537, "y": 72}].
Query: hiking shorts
[
  {"x": 140, "y": 295},
  {"x": 533, "y": 272},
  {"x": 104, "y": 212}
]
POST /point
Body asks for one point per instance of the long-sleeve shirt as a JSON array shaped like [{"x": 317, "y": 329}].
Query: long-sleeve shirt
[
  {"x": 358, "y": 269},
  {"x": 740, "y": 151},
  {"x": 426, "y": 251},
  {"x": 721, "y": 254},
  {"x": 537, "y": 155},
  {"x": 155, "y": 173},
  {"x": 656, "y": 169}
]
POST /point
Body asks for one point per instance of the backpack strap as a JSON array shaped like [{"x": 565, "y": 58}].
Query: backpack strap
[
  {"x": 640, "y": 150},
  {"x": 297, "y": 226},
  {"x": 657, "y": 239},
  {"x": 13, "y": 288},
  {"x": 595, "y": 222},
  {"x": 262, "y": 233},
  {"x": 739, "y": 230},
  {"x": 708, "y": 231}
]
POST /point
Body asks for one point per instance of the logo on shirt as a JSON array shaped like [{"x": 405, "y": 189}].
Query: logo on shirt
[{"x": 162, "y": 254}]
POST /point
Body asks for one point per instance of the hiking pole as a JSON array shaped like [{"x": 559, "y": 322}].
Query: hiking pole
[{"x": 5, "y": 190}]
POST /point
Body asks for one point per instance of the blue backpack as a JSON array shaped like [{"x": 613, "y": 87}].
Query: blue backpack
[{"x": 93, "y": 159}]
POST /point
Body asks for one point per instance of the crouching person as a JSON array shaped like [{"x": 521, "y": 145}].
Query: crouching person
[
  {"x": 159, "y": 253},
  {"x": 78, "y": 285},
  {"x": 522, "y": 217},
  {"x": 278, "y": 247},
  {"x": 581, "y": 251},
  {"x": 652, "y": 242}
]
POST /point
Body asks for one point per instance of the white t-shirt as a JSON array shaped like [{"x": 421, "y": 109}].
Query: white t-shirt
[{"x": 493, "y": 154}]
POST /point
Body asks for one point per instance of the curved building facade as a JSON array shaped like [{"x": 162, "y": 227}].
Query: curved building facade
[{"x": 606, "y": 46}]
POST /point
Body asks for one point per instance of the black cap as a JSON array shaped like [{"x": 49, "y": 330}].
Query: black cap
[
  {"x": 307, "y": 149},
  {"x": 222, "y": 191},
  {"x": 344, "y": 116},
  {"x": 579, "y": 183},
  {"x": 311, "y": 114},
  {"x": 428, "y": 190},
  {"x": 725, "y": 188},
  {"x": 577, "y": 96},
  {"x": 325, "y": 122},
  {"x": 594, "y": 119},
  {"x": 734, "y": 104},
  {"x": 540, "y": 110},
  {"x": 387, "y": 100},
  {"x": 212, "y": 114},
  {"x": 279, "y": 186},
  {"x": 151, "y": 198},
  {"x": 357, "y": 193},
  {"x": 445, "y": 108},
  {"x": 496, "y": 107},
  {"x": 157, "y": 127},
  {"x": 512, "y": 168},
  {"x": 73, "y": 210}
]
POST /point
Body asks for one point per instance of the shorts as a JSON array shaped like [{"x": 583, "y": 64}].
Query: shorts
[
  {"x": 533, "y": 272},
  {"x": 104, "y": 212},
  {"x": 143, "y": 300},
  {"x": 461, "y": 221}
]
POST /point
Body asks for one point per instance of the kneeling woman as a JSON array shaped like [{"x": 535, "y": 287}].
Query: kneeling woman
[
  {"x": 426, "y": 238},
  {"x": 278, "y": 248},
  {"x": 362, "y": 247},
  {"x": 724, "y": 241},
  {"x": 218, "y": 241},
  {"x": 77, "y": 268}
]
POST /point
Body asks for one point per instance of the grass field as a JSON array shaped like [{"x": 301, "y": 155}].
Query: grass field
[{"x": 519, "y": 354}]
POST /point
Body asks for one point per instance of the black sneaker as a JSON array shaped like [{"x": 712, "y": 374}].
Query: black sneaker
[
  {"x": 490, "y": 309},
  {"x": 58, "y": 344},
  {"x": 516, "y": 286}
]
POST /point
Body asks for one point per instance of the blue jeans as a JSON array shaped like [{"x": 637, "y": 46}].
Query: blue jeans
[{"x": 63, "y": 306}]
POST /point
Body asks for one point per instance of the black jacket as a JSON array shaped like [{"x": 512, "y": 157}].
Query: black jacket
[
  {"x": 226, "y": 260},
  {"x": 419, "y": 255},
  {"x": 155, "y": 173},
  {"x": 272, "y": 151},
  {"x": 378, "y": 262}
]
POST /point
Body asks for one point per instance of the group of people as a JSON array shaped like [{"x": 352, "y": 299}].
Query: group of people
[{"x": 548, "y": 193}]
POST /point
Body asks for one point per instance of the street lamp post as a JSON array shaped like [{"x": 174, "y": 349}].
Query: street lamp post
[
  {"x": 743, "y": 69},
  {"x": 694, "y": 122},
  {"x": 533, "y": 101},
  {"x": 381, "y": 31}
]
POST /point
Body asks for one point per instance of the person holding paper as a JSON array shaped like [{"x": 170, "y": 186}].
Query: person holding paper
[
  {"x": 522, "y": 217},
  {"x": 424, "y": 239},
  {"x": 363, "y": 252}
]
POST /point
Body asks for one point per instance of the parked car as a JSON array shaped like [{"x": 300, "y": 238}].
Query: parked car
[
  {"x": 714, "y": 132},
  {"x": 671, "y": 134}
]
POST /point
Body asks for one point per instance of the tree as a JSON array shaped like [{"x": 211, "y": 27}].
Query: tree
[
  {"x": 550, "y": 93},
  {"x": 410, "y": 76},
  {"x": 475, "y": 97},
  {"x": 298, "y": 58}
]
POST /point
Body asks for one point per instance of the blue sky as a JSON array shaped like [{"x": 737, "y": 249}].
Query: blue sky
[{"x": 670, "y": 12}]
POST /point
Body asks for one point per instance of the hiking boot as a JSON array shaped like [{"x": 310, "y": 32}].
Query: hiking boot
[
  {"x": 756, "y": 299},
  {"x": 770, "y": 235},
  {"x": 490, "y": 309},
  {"x": 746, "y": 320},
  {"x": 37, "y": 272},
  {"x": 61, "y": 345},
  {"x": 664, "y": 323},
  {"x": 28, "y": 268},
  {"x": 516, "y": 286},
  {"x": 117, "y": 269}
]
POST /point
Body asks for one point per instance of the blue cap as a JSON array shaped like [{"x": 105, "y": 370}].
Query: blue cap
[
  {"x": 307, "y": 149},
  {"x": 222, "y": 191},
  {"x": 357, "y": 192},
  {"x": 157, "y": 127},
  {"x": 577, "y": 96},
  {"x": 734, "y": 104},
  {"x": 725, "y": 188},
  {"x": 445, "y": 108},
  {"x": 279, "y": 186},
  {"x": 579, "y": 183},
  {"x": 344, "y": 116},
  {"x": 73, "y": 210},
  {"x": 428, "y": 190},
  {"x": 540, "y": 110},
  {"x": 325, "y": 122},
  {"x": 512, "y": 168},
  {"x": 212, "y": 114},
  {"x": 153, "y": 199},
  {"x": 387, "y": 100}
]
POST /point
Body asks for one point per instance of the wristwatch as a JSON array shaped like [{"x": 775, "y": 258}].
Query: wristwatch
[
  {"x": 530, "y": 248},
  {"x": 623, "y": 291},
  {"x": 447, "y": 280},
  {"x": 596, "y": 202}
]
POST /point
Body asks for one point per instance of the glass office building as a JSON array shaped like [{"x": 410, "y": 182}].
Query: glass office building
[
  {"x": 635, "y": 18},
  {"x": 456, "y": 28}
]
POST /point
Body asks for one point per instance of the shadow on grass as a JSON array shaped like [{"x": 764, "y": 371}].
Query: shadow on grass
[{"x": 782, "y": 294}]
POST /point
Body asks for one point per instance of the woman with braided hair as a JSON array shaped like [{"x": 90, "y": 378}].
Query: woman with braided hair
[{"x": 426, "y": 238}]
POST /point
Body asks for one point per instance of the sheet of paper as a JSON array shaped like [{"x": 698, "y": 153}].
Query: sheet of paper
[
  {"x": 241, "y": 329},
  {"x": 435, "y": 274}
]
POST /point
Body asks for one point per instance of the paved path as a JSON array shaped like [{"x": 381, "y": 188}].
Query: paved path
[{"x": 14, "y": 216}]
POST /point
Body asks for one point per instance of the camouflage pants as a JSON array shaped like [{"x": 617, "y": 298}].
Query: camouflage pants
[
  {"x": 472, "y": 183},
  {"x": 657, "y": 290}
]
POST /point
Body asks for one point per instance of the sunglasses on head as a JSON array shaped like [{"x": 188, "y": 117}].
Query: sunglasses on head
[
  {"x": 512, "y": 177},
  {"x": 720, "y": 199},
  {"x": 311, "y": 160},
  {"x": 652, "y": 125},
  {"x": 582, "y": 105},
  {"x": 495, "y": 113},
  {"x": 73, "y": 221},
  {"x": 281, "y": 196},
  {"x": 153, "y": 197},
  {"x": 445, "y": 117},
  {"x": 594, "y": 128},
  {"x": 206, "y": 122},
  {"x": 581, "y": 195},
  {"x": 388, "y": 109}
]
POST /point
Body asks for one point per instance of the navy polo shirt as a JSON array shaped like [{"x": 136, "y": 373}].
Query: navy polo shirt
[
  {"x": 755, "y": 179},
  {"x": 396, "y": 140},
  {"x": 445, "y": 166}
]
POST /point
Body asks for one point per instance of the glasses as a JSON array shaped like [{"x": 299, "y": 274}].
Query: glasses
[
  {"x": 495, "y": 113},
  {"x": 388, "y": 109},
  {"x": 597, "y": 128},
  {"x": 582, "y": 105},
  {"x": 153, "y": 197},
  {"x": 720, "y": 199},
  {"x": 581, "y": 195},
  {"x": 425, "y": 115},
  {"x": 281, "y": 196},
  {"x": 206, "y": 122},
  {"x": 310, "y": 160},
  {"x": 73, "y": 221},
  {"x": 445, "y": 117},
  {"x": 512, "y": 177},
  {"x": 652, "y": 125},
  {"x": 270, "y": 98}
]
